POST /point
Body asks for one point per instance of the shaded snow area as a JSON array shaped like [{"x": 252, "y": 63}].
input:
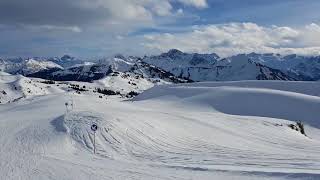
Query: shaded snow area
[{"x": 233, "y": 130}]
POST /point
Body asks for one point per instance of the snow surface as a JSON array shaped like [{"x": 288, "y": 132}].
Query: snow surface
[{"x": 190, "y": 131}]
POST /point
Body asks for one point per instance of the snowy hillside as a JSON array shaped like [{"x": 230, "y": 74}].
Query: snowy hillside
[
  {"x": 124, "y": 82},
  {"x": 18, "y": 87},
  {"x": 227, "y": 130},
  {"x": 15, "y": 87}
]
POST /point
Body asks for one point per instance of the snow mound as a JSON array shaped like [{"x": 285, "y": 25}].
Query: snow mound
[
  {"x": 109, "y": 137},
  {"x": 294, "y": 101}
]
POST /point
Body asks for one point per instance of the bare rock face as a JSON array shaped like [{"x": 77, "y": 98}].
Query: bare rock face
[{"x": 298, "y": 127}]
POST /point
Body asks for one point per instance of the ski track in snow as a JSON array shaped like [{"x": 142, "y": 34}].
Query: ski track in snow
[{"x": 194, "y": 131}]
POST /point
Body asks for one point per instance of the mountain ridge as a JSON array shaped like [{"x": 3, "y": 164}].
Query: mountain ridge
[{"x": 175, "y": 66}]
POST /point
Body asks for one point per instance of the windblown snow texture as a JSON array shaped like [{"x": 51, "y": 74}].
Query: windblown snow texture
[{"x": 227, "y": 130}]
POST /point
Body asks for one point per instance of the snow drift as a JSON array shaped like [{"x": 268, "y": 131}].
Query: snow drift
[{"x": 294, "y": 101}]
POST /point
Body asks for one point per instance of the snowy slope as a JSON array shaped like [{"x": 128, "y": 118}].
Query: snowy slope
[
  {"x": 15, "y": 87},
  {"x": 189, "y": 131},
  {"x": 124, "y": 83},
  {"x": 275, "y": 99},
  {"x": 18, "y": 87}
]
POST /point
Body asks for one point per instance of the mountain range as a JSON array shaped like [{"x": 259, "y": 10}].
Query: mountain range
[{"x": 173, "y": 66}]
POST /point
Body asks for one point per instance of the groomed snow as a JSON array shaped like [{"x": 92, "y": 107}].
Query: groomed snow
[{"x": 234, "y": 130}]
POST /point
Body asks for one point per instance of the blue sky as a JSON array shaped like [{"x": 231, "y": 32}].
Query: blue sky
[
  {"x": 85, "y": 28},
  {"x": 263, "y": 12}
]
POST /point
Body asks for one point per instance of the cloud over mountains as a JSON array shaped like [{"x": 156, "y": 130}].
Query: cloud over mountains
[
  {"x": 102, "y": 27},
  {"x": 234, "y": 38}
]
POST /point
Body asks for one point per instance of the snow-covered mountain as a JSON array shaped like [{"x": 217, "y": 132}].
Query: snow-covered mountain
[
  {"x": 242, "y": 68},
  {"x": 67, "y": 61},
  {"x": 27, "y": 66},
  {"x": 174, "y": 66},
  {"x": 209, "y": 67},
  {"x": 131, "y": 66},
  {"x": 175, "y": 58},
  {"x": 34, "y": 65},
  {"x": 299, "y": 67}
]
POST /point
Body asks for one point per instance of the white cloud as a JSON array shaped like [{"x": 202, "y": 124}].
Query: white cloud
[
  {"x": 234, "y": 38},
  {"x": 119, "y": 37},
  {"x": 162, "y": 8},
  {"x": 75, "y": 29},
  {"x": 195, "y": 3},
  {"x": 180, "y": 12},
  {"x": 125, "y": 14},
  {"x": 121, "y": 11},
  {"x": 118, "y": 15}
]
